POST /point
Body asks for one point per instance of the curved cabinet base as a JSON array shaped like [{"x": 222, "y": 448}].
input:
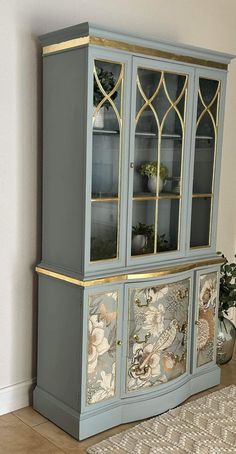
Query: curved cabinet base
[{"x": 85, "y": 425}]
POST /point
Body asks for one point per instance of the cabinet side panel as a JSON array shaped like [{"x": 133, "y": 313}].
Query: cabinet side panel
[
  {"x": 64, "y": 144},
  {"x": 60, "y": 340}
]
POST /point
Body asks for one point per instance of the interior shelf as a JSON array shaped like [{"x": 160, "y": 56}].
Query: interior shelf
[
  {"x": 106, "y": 131},
  {"x": 204, "y": 137},
  {"x": 155, "y": 136}
]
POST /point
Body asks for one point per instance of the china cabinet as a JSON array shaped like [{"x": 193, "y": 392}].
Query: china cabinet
[{"x": 128, "y": 282}]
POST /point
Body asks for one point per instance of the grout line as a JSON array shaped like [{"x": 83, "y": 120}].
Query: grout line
[{"x": 45, "y": 438}]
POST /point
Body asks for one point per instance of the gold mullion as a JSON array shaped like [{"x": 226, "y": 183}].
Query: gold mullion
[
  {"x": 199, "y": 196},
  {"x": 167, "y": 197},
  {"x": 121, "y": 141},
  {"x": 105, "y": 199}
]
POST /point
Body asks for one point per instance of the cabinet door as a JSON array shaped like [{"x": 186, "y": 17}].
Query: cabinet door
[
  {"x": 160, "y": 141},
  {"x": 206, "y": 317},
  {"x": 158, "y": 333},
  {"x": 106, "y": 151},
  {"x": 102, "y": 351},
  {"x": 207, "y": 138}
]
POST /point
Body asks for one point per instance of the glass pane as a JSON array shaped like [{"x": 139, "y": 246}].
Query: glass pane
[
  {"x": 200, "y": 223},
  {"x": 204, "y": 161},
  {"x": 206, "y": 135},
  {"x": 143, "y": 227},
  {"x": 203, "y": 165},
  {"x": 168, "y": 225},
  {"x": 158, "y": 148},
  {"x": 104, "y": 221},
  {"x": 106, "y": 158},
  {"x": 106, "y": 128}
]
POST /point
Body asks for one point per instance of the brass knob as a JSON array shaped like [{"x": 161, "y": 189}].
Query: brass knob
[
  {"x": 119, "y": 342},
  {"x": 197, "y": 322},
  {"x": 138, "y": 341}
]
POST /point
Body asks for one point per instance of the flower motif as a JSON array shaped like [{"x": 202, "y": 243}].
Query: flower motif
[
  {"x": 156, "y": 293},
  {"x": 154, "y": 322},
  {"x": 107, "y": 387},
  {"x": 203, "y": 333},
  {"x": 169, "y": 362},
  {"x": 208, "y": 294},
  {"x": 97, "y": 342},
  {"x": 145, "y": 362}
]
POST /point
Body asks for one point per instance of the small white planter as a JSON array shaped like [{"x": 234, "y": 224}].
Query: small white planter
[
  {"x": 99, "y": 119},
  {"x": 138, "y": 243},
  {"x": 152, "y": 184}
]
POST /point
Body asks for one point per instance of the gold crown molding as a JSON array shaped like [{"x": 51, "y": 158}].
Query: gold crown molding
[
  {"x": 131, "y": 276},
  {"x": 134, "y": 48},
  {"x": 66, "y": 45}
]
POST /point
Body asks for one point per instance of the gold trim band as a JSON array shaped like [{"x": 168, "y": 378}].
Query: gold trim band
[
  {"x": 132, "y": 276},
  {"x": 66, "y": 45},
  {"x": 134, "y": 48}
]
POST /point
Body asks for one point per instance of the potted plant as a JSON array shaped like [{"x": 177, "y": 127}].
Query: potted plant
[
  {"x": 150, "y": 169},
  {"x": 142, "y": 234},
  {"x": 143, "y": 240},
  {"x": 107, "y": 81},
  {"x": 227, "y": 298}
]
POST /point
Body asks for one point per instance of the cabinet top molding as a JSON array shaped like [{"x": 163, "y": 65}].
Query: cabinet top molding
[
  {"x": 131, "y": 276},
  {"x": 87, "y": 34}
]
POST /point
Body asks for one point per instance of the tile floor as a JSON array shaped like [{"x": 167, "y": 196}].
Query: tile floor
[{"x": 27, "y": 432}]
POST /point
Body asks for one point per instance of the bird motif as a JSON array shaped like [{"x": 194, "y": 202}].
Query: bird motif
[{"x": 165, "y": 340}]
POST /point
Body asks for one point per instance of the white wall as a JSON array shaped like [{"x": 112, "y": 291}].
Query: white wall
[{"x": 204, "y": 23}]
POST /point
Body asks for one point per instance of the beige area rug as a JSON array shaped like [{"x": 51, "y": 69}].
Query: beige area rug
[{"x": 204, "y": 426}]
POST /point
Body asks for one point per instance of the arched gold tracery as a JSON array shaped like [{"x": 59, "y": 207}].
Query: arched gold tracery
[
  {"x": 107, "y": 97},
  {"x": 173, "y": 105}
]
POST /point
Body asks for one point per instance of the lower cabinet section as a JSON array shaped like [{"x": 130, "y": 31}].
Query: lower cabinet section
[{"x": 122, "y": 352}]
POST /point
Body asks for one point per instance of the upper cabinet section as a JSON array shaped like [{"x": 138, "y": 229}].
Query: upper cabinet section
[{"x": 132, "y": 144}]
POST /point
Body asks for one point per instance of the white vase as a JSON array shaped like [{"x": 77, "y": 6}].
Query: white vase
[
  {"x": 152, "y": 184},
  {"x": 99, "y": 119},
  {"x": 138, "y": 243}
]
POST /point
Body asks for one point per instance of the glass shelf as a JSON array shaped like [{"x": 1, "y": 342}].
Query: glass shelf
[
  {"x": 105, "y": 131},
  {"x": 204, "y": 138},
  {"x": 155, "y": 136}
]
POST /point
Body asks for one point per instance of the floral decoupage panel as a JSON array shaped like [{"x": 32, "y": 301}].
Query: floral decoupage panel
[
  {"x": 158, "y": 332},
  {"x": 102, "y": 335},
  {"x": 206, "y": 318}
]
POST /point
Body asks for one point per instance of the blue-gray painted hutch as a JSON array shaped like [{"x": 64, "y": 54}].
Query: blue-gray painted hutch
[{"x": 128, "y": 282}]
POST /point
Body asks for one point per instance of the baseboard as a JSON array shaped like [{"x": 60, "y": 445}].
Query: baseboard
[{"x": 17, "y": 396}]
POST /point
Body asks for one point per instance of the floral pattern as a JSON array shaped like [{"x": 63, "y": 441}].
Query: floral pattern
[
  {"x": 101, "y": 360},
  {"x": 206, "y": 318},
  {"x": 158, "y": 327}
]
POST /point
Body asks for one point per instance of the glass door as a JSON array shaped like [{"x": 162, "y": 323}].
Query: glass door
[
  {"x": 108, "y": 80},
  {"x": 159, "y": 141},
  {"x": 206, "y": 141}
]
